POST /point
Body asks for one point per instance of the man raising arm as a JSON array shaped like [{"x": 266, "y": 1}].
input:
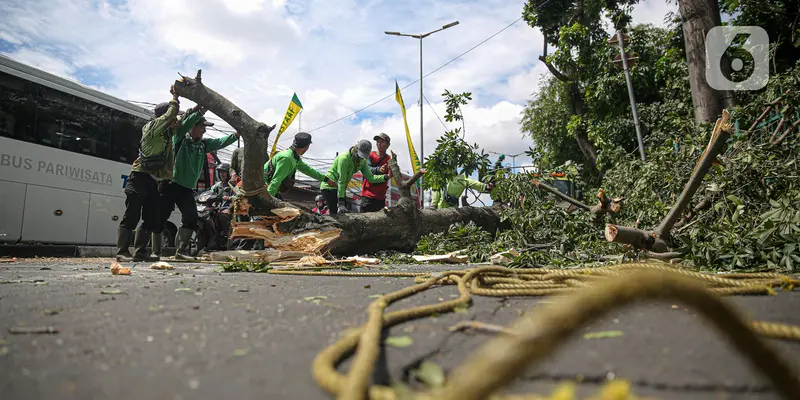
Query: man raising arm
[{"x": 286, "y": 162}]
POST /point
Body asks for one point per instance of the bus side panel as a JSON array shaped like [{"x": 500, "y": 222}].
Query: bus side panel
[
  {"x": 55, "y": 216},
  {"x": 105, "y": 213},
  {"x": 12, "y": 202}
]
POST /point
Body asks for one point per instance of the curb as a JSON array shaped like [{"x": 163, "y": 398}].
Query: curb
[{"x": 42, "y": 250}]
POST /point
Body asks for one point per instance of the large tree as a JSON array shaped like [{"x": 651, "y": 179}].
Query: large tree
[{"x": 698, "y": 17}]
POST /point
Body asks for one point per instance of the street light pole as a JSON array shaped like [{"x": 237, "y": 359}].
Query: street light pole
[
  {"x": 421, "y": 98},
  {"x": 620, "y": 41}
]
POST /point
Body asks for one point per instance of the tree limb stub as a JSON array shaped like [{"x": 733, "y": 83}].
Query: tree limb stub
[
  {"x": 715, "y": 147},
  {"x": 636, "y": 237}
]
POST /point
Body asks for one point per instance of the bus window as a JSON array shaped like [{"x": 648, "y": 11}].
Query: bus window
[
  {"x": 17, "y": 108},
  {"x": 126, "y": 132},
  {"x": 71, "y": 123}
]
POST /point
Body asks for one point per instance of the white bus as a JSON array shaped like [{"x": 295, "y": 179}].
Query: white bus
[{"x": 65, "y": 155}]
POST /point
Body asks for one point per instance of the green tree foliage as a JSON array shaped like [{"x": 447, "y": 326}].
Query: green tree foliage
[
  {"x": 453, "y": 154},
  {"x": 662, "y": 92}
]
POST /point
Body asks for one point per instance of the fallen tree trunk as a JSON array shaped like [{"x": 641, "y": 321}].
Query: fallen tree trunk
[{"x": 395, "y": 228}]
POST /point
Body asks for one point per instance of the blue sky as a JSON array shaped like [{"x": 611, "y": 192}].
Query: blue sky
[{"x": 334, "y": 55}]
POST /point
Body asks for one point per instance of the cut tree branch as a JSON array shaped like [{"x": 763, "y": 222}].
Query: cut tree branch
[
  {"x": 716, "y": 146},
  {"x": 562, "y": 196},
  {"x": 658, "y": 240},
  {"x": 786, "y": 133}
]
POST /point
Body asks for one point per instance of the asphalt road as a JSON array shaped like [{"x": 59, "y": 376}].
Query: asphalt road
[{"x": 194, "y": 333}]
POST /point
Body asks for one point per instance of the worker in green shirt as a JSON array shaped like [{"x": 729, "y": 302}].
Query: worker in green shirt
[
  {"x": 448, "y": 196},
  {"x": 342, "y": 170},
  {"x": 279, "y": 171},
  {"x": 149, "y": 171},
  {"x": 190, "y": 154}
]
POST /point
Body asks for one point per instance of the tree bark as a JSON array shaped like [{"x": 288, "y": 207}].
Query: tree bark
[
  {"x": 698, "y": 17},
  {"x": 395, "y": 228}
]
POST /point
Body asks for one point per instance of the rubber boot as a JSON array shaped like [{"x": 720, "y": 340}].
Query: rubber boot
[
  {"x": 140, "y": 246},
  {"x": 155, "y": 242},
  {"x": 182, "y": 244},
  {"x": 124, "y": 237}
]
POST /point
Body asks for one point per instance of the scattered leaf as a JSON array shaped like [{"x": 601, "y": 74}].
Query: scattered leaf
[
  {"x": 3, "y": 351},
  {"x": 244, "y": 290},
  {"x": 240, "y": 352},
  {"x": 603, "y": 335},
  {"x": 431, "y": 374},
  {"x": 461, "y": 309},
  {"x": 367, "y": 286},
  {"x": 312, "y": 298},
  {"x": 183, "y": 289},
  {"x": 374, "y": 296},
  {"x": 112, "y": 291},
  {"x": 52, "y": 312},
  {"x": 399, "y": 341},
  {"x": 564, "y": 391},
  {"x": 161, "y": 265}
]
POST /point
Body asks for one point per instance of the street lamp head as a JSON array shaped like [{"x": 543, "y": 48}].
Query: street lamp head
[
  {"x": 392, "y": 33},
  {"x": 450, "y": 25}
]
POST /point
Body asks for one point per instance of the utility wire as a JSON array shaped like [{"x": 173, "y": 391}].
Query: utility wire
[
  {"x": 426, "y": 75},
  {"x": 434, "y": 112}
]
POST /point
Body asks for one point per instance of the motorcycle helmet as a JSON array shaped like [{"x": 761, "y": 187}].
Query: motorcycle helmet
[
  {"x": 319, "y": 198},
  {"x": 224, "y": 167}
]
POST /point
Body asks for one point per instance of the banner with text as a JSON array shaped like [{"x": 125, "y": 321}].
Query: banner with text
[{"x": 294, "y": 108}]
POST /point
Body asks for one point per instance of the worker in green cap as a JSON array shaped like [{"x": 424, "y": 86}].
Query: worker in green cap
[{"x": 279, "y": 171}]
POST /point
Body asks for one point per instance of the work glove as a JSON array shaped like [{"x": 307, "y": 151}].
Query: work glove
[{"x": 341, "y": 209}]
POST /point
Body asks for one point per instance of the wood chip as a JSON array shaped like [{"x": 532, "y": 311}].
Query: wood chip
[
  {"x": 27, "y": 330},
  {"x": 161, "y": 265},
  {"x": 117, "y": 269}
]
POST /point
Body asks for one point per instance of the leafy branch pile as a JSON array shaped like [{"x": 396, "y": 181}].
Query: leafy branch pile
[{"x": 747, "y": 211}]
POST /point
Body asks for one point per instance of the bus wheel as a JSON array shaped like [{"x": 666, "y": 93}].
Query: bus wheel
[{"x": 168, "y": 235}]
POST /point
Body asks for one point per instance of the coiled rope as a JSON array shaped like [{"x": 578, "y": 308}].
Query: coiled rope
[{"x": 585, "y": 295}]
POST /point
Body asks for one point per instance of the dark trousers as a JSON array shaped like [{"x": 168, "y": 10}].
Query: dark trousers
[
  {"x": 331, "y": 197},
  {"x": 371, "y": 205},
  {"x": 142, "y": 201},
  {"x": 173, "y": 195}
]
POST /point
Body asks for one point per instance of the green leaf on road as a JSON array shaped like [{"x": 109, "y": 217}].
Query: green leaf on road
[
  {"x": 374, "y": 296},
  {"x": 183, "y": 289},
  {"x": 431, "y": 374},
  {"x": 112, "y": 291},
  {"x": 603, "y": 335},
  {"x": 461, "y": 309},
  {"x": 399, "y": 341},
  {"x": 51, "y": 312},
  {"x": 240, "y": 352}
]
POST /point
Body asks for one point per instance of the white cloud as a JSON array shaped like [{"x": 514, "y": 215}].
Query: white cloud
[{"x": 334, "y": 56}]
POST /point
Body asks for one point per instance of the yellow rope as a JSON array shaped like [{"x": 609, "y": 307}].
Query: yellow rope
[{"x": 588, "y": 292}]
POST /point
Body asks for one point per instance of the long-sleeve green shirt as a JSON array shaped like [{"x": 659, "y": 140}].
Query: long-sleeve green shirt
[
  {"x": 455, "y": 188},
  {"x": 285, "y": 163},
  {"x": 157, "y": 135},
  {"x": 191, "y": 155},
  {"x": 342, "y": 170}
]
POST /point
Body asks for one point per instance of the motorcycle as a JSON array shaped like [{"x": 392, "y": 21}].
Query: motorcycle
[{"x": 211, "y": 233}]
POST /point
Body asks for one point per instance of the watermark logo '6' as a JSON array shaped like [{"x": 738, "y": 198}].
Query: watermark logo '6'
[{"x": 737, "y": 58}]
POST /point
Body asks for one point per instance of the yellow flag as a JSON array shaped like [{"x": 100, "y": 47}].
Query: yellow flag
[
  {"x": 414, "y": 160},
  {"x": 294, "y": 108}
]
